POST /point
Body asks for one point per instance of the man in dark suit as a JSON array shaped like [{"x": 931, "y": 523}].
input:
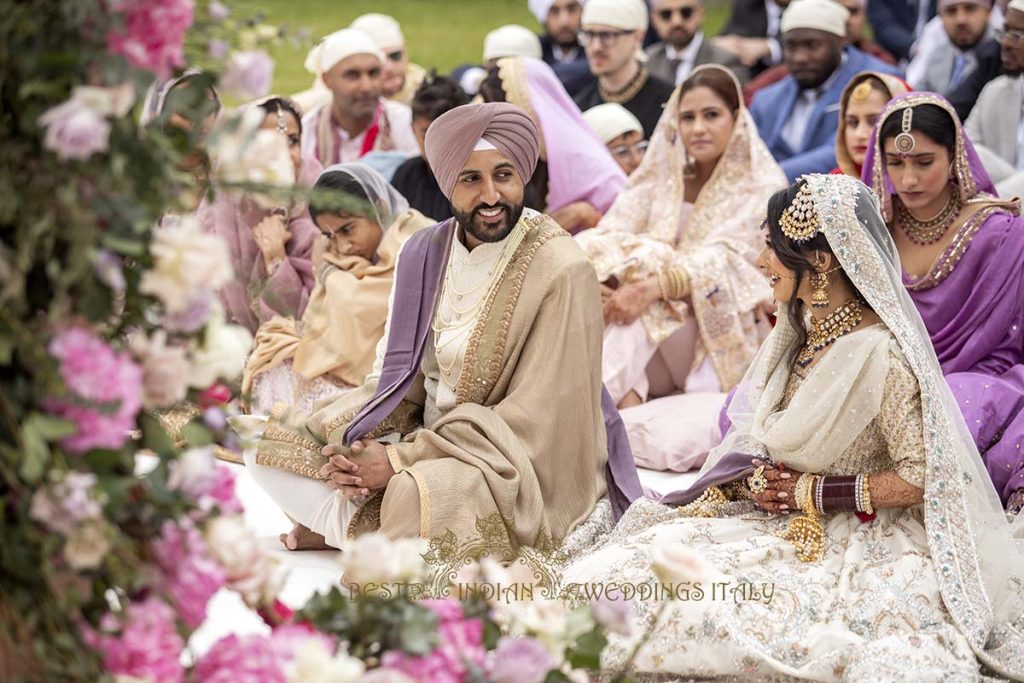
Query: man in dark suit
[
  {"x": 752, "y": 32},
  {"x": 559, "y": 43},
  {"x": 683, "y": 45},
  {"x": 898, "y": 23}
]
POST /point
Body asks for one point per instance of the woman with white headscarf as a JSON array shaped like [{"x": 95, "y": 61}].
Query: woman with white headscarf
[
  {"x": 364, "y": 222},
  {"x": 846, "y": 528}
]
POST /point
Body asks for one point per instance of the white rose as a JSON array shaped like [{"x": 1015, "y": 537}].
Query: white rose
[
  {"x": 251, "y": 572},
  {"x": 409, "y": 552},
  {"x": 187, "y": 263},
  {"x": 223, "y": 353},
  {"x": 371, "y": 558},
  {"x": 675, "y": 563},
  {"x": 547, "y": 621},
  {"x": 87, "y": 545},
  {"x": 164, "y": 369},
  {"x": 116, "y": 101},
  {"x": 246, "y": 153},
  {"x": 193, "y": 472},
  {"x": 314, "y": 664}
]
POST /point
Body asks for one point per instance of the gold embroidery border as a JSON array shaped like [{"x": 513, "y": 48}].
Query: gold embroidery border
[{"x": 476, "y": 385}]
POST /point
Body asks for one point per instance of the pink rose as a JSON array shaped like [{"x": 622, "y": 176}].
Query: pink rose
[
  {"x": 152, "y": 34},
  {"x": 190, "y": 575},
  {"x": 248, "y": 74},
  {"x": 105, "y": 388},
  {"x": 245, "y": 659},
  {"x": 74, "y": 130},
  {"x": 520, "y": 660},
  {"x": 218, "y": 11},
  {"x": 147, "y": 646},
  {"x": 461, "y": 645},
  {"x": 165, "y": 370},
  {"x": 614, "y": 616}
]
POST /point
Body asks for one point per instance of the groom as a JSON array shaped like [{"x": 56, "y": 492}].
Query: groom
[{"x": 485, "y": 408}]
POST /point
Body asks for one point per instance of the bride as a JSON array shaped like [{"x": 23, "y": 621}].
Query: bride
[{"x": 846, "y": 528}]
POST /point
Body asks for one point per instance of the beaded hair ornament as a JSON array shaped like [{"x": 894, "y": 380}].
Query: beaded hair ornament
[
  {"x": 905, "y": 142},
  {"x": 800, "y": 220}
]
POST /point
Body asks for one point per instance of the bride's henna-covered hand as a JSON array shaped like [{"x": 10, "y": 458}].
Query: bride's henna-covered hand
[{"x": 779, "y": 495}]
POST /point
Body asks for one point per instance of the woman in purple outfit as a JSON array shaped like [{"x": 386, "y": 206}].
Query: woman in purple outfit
[{"x": 962, "y": 253}]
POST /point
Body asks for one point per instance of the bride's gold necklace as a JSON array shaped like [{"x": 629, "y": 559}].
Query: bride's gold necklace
[
  {"x": 925, "y": 232},
  {"x": 628, "y": 92},
  {"x": 825, "y": 331}
]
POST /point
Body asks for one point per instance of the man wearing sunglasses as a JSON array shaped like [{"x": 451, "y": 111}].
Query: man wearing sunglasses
[
  {"x": 613, "y": 31},
  {"x": 683, "y": 45},
  {"x": 996, "y": 124}
]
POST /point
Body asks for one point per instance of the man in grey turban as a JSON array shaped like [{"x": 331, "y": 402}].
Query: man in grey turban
[{"x": 485, "y": 408}]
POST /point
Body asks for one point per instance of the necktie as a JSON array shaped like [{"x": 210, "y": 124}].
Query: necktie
[{"x": 959, "y": 66}]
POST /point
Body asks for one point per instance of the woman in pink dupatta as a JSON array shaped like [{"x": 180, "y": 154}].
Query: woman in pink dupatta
[
  {"x": 577, "y": 179},
  {"x": 967, "y": 282},
  {"x": 271, "y": 249}
]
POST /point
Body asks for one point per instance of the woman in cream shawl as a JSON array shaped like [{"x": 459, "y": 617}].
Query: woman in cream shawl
[
  {"x": 918, "y": 580},
  {"x": 332, "y": 347},
  {"x": 680, "y": 244}
]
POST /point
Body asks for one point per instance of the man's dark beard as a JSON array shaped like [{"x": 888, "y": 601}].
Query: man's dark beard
[{"x": 494, "y": 233}]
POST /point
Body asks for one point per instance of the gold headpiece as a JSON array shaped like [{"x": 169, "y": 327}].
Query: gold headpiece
[
  {"x": 862, "y": 91},
  {"x": 800, "y": 221},
  {"x": 905, "y": 142}
]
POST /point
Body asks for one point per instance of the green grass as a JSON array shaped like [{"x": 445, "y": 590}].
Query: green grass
[{"x": 439, "y": 33}]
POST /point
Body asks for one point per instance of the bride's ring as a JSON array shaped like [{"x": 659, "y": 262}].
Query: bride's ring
[{"x": 757, "y": 482}]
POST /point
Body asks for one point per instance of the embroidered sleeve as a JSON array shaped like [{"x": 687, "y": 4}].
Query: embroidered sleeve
[{"x": 901, "y": 421}]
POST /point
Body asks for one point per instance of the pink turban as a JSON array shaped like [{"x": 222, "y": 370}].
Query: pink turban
[{"x": 452, "y": 137}]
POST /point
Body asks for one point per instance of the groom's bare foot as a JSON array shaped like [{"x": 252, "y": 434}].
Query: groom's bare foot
[{"x": 301, "y": 538}]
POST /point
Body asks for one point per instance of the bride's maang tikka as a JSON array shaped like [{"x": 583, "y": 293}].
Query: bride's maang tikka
[
  {"x": 800, "y": 220},
  {"x": 905, "y": 142}
]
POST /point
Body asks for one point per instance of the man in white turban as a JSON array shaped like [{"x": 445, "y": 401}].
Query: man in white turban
[
  {"x": 401, "y": 77},
  {"x": 797, "y": 117},
  {"x": 559, "y": 41},
  {"x": 356, "y": 120},
  {"x": 511, "y": 40},
  {"x": 613, "y": 32},
  {"x": 485, "y": 408},
  {"x": 620, "y": 131}
]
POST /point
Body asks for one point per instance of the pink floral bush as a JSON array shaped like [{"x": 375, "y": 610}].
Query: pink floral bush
[
  {"x": 153, "y": 33},
  {"x": 245, "y": 659},
  {"x": 147, "y": 645},
  {"x": 105, "y": 387},
  {"x": 461, "y": 645},
  {"x": 190, "y": 575}
]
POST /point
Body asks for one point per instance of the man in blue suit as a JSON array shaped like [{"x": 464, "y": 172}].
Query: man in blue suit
[
  {"x": 798, "y": 116},
  {"x": 898, "y": 23}
]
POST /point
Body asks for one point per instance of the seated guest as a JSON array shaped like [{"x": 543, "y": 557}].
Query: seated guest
[
  {"x": 752, "y": 32},
  {"x": 621, "y": 132},
  {"x": 577, "y": 179},
  {"x": 995, "y": 122},
  {"x": 613, "y": 32},
  {"x": 898, "y": 25},
  {"x": 511, "y": 40},
  {"x": 962, "y": 253},
  {"x": 966, "y": 26},
  {"x": 848, "y": 500},
  {"x": 798, "y": 116},
  {"x": 683, "y": 45},
  {"x": 679, "y": 247},
  {"x": 855, "y": 37},
  {"x": 863, "y": 100},
  {"x": 400, "y": 77},
  {"x": 414, "y": 179},
  {"x": 356, "y": 120},
  {"x": 271, "y": 249},
  {"x": 485, "y": 403},
  {"x": 560, "y": 44},
  {"x": 299, "y": 361},
  {"x": 989, "y": 67}
]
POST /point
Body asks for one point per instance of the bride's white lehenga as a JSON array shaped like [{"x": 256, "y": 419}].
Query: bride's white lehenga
[{"x": 927, "y": 593}]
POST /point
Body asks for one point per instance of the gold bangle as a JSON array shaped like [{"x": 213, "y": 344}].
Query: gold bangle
[
  {"x": 661, "y": 285},
  {"x": 868, "y": 509}
]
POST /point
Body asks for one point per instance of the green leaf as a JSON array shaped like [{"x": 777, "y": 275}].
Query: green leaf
[
  {"x": 101, "y": 461},
  {"x": 154, "y": 436},
  {"x": 418, "y": 631},
  {"x": 196, "y": 435},
  {"x": 586, "y": 652},
  {"x": 124, "y": 246},
  {"x": 556, "y": 676},
  {"x": 36, "y": 431}
]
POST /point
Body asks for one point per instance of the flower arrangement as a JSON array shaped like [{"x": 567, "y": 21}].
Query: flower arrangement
[{"x": 117, "y": 529}]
